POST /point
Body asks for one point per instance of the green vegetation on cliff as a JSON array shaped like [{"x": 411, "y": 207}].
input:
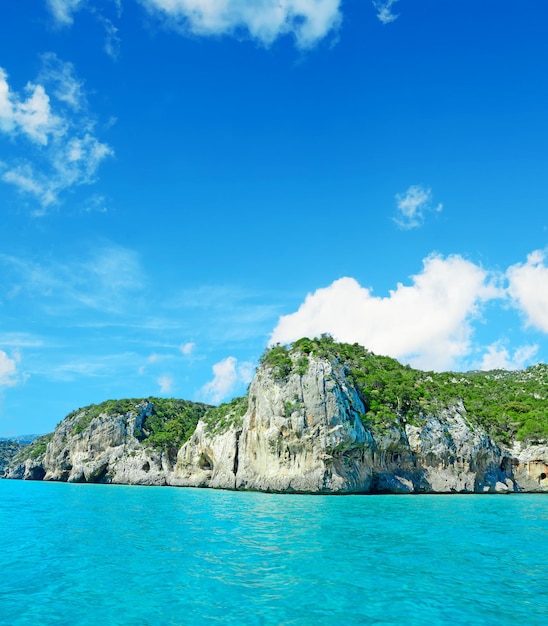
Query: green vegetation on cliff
[
  {"x": 220, "y": 418},
  {"x": 167, "y": 425},
  {"x": 171, "y": 422},
  {"x": 509, "y": 405},
  {"x": 34, "y": 450}
]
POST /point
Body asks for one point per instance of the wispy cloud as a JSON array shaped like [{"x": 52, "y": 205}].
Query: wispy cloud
[
  {"x": 95, "y": 204},
  {"x": 75, "y": 366},
  {"x": 106, "y": 280},
  {"x": 63, "y": 10},
  {"x": 498, "y": 357},
  {"x": 413, "y": 205},
  {"x": 306, "y": 21},
  {"x": 233, "y": 313},
  {"x": 227, "y": 375},
  {"x": 112, "y": 40},
  {"x": 21, "y": 340},
  {"x": 427, "y": 323},
  {"x": 53, "y": 144},
  {"x": 384, "y": 10}
]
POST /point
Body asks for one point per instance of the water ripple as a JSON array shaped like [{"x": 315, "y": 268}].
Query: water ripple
[{"x": 81, "y": 555}]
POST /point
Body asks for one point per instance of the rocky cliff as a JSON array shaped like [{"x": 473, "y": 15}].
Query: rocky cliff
[{"x": 319, "y": 417}]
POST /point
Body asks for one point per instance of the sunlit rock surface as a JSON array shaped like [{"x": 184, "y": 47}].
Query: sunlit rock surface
[{"x": 303, "y": 430}]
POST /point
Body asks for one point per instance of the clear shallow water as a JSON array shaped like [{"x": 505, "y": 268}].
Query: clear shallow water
[{"x": 105, "y": 554}]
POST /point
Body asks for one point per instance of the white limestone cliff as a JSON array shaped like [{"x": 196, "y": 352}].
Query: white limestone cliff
[
  {"x": 305, "y": 431},
  {"x": 105, "y": 451}
]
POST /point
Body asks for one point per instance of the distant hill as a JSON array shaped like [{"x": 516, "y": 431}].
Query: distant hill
[
  {"x": 8, "y": 448},
  {"x": 24, "y": 439}
]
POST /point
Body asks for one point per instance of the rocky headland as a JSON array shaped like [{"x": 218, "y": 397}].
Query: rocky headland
[{"x": 319, "y": 417}]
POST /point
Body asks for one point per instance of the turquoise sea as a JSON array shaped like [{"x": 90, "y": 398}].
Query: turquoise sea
[{"x": 105, "y": 554}]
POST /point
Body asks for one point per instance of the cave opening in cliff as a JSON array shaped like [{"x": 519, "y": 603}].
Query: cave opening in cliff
[{"x": 205, "y": 463}]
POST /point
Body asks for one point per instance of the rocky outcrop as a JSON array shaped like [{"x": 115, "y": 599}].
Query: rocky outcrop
[
  {"x": 306, "y": 433},
  {"x": 208, "y": 459},
  {"x": 305, "y": 428},
  {"x": 105, "y": 451},
  {"x": 530, "y": 466}
]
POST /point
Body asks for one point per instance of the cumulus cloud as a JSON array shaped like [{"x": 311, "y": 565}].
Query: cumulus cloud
[
  {"x": 427, "y": 323},
  {"x": 227, "y": 374},
  {"x": 8, "y": 370},
  {"x": 53, "y": 145},
  {"x": 498, "y": 357},
  {"x": 528, "y": 288},
  {"x": 384, "y": 10},
  {"x": 413, "y": 205},
  {"x": 308, "y": 21}
]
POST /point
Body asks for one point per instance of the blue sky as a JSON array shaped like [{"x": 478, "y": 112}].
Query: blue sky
[{"x": 184, "y": 182}]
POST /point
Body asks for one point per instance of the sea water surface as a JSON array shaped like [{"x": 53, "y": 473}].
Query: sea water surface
[{"x": 105, "y": 554}]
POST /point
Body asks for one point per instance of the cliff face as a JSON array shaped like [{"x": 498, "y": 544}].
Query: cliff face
[
  {"x": 106, "y": 450},
  {"x": 310, "y": 425},
  {"x": 305, "y": 434}
]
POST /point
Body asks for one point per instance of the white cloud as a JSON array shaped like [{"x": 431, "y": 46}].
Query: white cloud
[
  {"x": 412, "y": 206},
  {"x": 8, "y": 370},
  {"x": 62, "y": 10},
  {"x": 187, "y": 348},
  {"x": 30, "y": 116},
  {"x": 23, "y": 177},
  {"x": 384, "y": 10},
  {"x": 426, "y": 323},
  {"x": 497, "y": 357},
  {"x": 228, "y": 373},
  {"x": 528, "y": 288},
  {"x": 308, "y": 21},
  {"x": 53, "y": 144},
  {"x": 166, "y": 383}
]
